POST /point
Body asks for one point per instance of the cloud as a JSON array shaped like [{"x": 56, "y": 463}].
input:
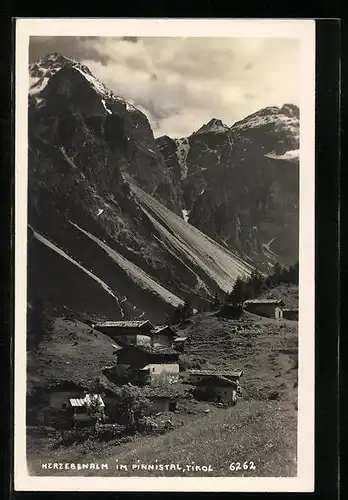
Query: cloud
[
  {"x": 248, "y": 66},
  {"x": 181, "y": 83},
  {"x": 74, "y": 47}
]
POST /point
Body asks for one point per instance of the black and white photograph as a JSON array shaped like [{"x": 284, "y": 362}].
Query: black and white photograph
[{"x": 165, "y": 254}]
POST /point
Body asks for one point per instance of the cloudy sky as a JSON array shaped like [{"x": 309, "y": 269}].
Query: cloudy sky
[{"x": 181, "y": 83}]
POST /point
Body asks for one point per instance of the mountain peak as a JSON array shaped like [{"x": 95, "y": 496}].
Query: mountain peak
[
  {"x": 42, "y": 70},
  {"x": 290, "y": 110},
  {"x": 282, "y": 120},
  {"x": 270, "y": 113},
  {"x": 51, "y": 60},
  {"x": 55, "y": 56},
  {"x": 214, "y": 125}
]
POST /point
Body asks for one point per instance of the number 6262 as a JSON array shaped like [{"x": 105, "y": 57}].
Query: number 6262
[{"x": 247, "y": 465}]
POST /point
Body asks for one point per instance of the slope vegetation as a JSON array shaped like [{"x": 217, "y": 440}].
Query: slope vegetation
[{"x": 261, "y": 428}]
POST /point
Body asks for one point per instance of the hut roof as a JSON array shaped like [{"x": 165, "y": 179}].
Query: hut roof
[
  {"x": 220, "y": 380},
  {"x": 264, "y": 301},
  {"x": 123, "y": 324},
  {"x": 148, "y": 349},
  {"x": 163, "y": 328},
  {"x": 221, "y": 373},
  {"x": 79, "y": 384},
  {"x": 216, "y": 379},
  {"x": 163, "y": 391},
  {"x": 75, "y": 402}
]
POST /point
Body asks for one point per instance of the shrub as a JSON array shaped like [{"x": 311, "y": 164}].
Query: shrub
[
  {"x": 274, "y": 396},
  {"x": 253, "y": 286},
  {"x": 216, "y": 304},
  {"x": 39, "y": 322},
  {"x": 188, "y": 363},
  {"x": 132, "y": 404},
  {"x": 182, "y": 312}
]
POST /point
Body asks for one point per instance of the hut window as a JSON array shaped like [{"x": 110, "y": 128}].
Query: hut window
[{"x": 64, "y": 406}]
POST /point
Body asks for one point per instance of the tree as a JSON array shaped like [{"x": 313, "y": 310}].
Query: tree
[
  {"x": 177, "y": 315},
  {"x": 95, "y": 410},
  {"x": 254, "y": 284},
  {"x": 39, "y": 321},
  {"x": 294, "y": 274},
  {"x": 276, "y": 277},
  {"x": 132, "y": 404},
  {"x": 216, "y": 304},
  {"x": 187, "y": 309},
  {"x": 182, "y": 312},
  {"x": 238, "y": 294}
]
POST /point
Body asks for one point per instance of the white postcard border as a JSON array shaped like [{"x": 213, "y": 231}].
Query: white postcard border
[{"x": 304, "y": 30}]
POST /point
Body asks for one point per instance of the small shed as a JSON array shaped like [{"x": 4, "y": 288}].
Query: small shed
[
  {"x": 269, "y": 308},
  {"x": 58, "y": 394},
  {"x": 179, "y": 344},
  {"x": 217, "y": 388},
  {"x": 80, "y": 406},
  {"x": 291, "y": 314},
  {"x": 147, "y": 361},
  {"x": 162, "y": 399},
  {"x": 127, "y": 332},
  {"x": 196, "y": 376}
]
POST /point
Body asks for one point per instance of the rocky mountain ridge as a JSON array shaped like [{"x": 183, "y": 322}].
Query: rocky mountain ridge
[
  {"x": 241, "y": 183},
  {"x": 106, "y": 233}
]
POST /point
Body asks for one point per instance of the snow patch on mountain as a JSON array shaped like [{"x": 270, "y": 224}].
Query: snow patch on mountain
[
  {"x": 37, "y": 85},
  {"x": 185, "y": 215},
  {"x": 261, "y": 120},
  {"x": 291, "y": 155},
  {"x": 105, "y": 107},
  {"x": 130, "y": 107},
  {"x": 266, "y": 248},
  {"x": 183, "y": 148},
  {"x": 41, "y": 71},
  {"x": 272, "y": 116},
  {"x": 96, "y": 84}
]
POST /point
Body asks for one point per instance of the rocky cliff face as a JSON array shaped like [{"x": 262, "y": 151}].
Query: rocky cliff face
[
  {"x": 240, "y": 184},
  {"x": 69, "y": 107},
  {"x": 101, "y": 240}
]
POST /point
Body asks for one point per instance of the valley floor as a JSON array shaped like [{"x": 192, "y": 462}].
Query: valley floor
[
  {"x": 260, "y": 433},
  {"x": 260, "y": 430}
]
